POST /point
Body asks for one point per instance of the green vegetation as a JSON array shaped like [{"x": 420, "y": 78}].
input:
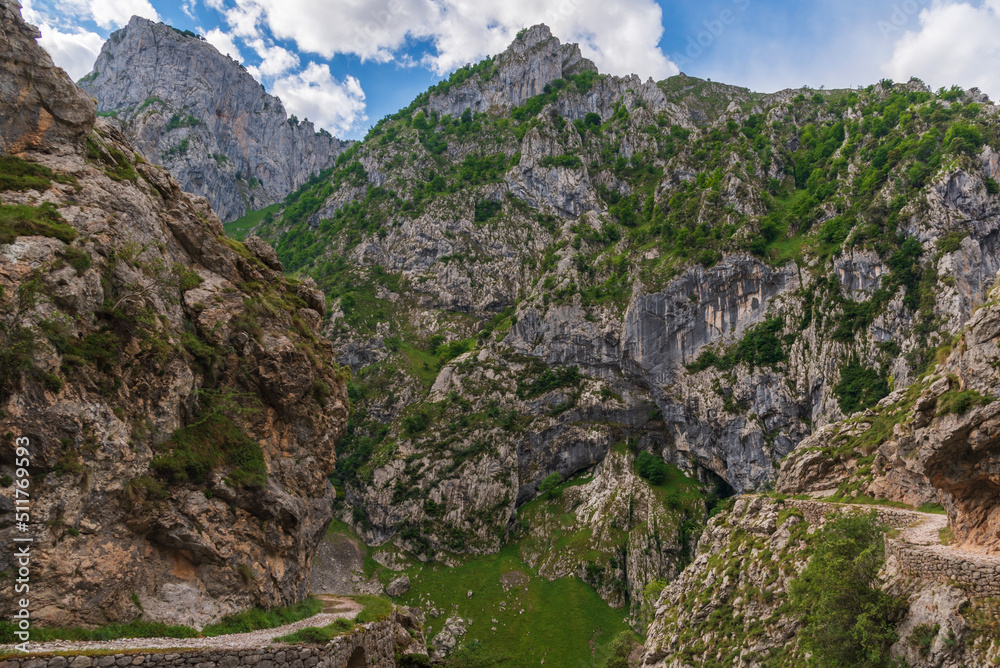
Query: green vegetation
[
  {"x": 258, "y": 618},
  {"x": 23, "y": 220},
  {"x": 549, "y": 380},
  {"x": 760, "y": 346},
  {"x": 134, "y": 629},
  {"x": 18, "y": 174},
  {"x": 958, "y": 402},
  {"x": 239, "y": 228},
  {"x": 179, "y": 121},
  {"x": 564, "y": 620},
  {"x": 847, "y": 619},
  {"x": 550, "y": 484},
  {"x": 375, "y": 609},
  {"x": 859, "y": 387},
  {"x": 214, "y": 441},
  {"x": 313, "y": 635}
]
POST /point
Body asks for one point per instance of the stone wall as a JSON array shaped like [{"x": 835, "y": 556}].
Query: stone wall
[
  {"x": 369, "y": 647},
  {"x": 932, "y": 563},
  {"x": 937, "y": 565}
]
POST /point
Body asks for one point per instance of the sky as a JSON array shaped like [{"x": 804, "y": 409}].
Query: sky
[{"x": 344, "y": 64}]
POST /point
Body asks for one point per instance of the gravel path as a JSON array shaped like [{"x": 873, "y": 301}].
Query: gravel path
[
  {"x": 926, "y": 532},
  {"x": 333, "y": 608}
]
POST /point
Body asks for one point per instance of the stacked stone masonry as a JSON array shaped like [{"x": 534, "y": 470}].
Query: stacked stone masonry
[
  {"x": 926, "y": 562},
  {"x": 369, "y": 647}
]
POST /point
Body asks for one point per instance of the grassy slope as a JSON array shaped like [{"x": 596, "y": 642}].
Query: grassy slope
[
  {"x": 562, "y": 619},
  {"x": 239, "y": 228}
]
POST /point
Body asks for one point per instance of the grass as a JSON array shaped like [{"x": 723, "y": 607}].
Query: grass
[
  {"x": 947, "y": 536},
  {"x": 133, "y": 629},
  {"x": 22, "y": 220},
  {"x": 18, "y": 174},
  {"x": 318, "y": 635},
  {"x": 258, "y": 618},
  {"x": 191, "y": 453},
  {"x": 239, "y": 228},
  {"x": 562, "y": 618},
  {"x": 250, "y": 620},
  {"x": 375, "y": 609}
]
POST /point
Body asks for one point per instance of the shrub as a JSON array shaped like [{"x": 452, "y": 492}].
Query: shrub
[
  {"x": 651, "y": 467},
  {"x": 550, "y": 484},
  {"x": 18, "y": 174},
  {"x": 860, "y": 387},
  {"x": 958, "y": 403},
  {"x": 847, "y": 619}
]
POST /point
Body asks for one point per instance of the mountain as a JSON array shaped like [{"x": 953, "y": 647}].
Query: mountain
[
  {"x": 534, "y": 266},
  {"x": 177, "y": 407},
  {"x": 203, "y": 117}
]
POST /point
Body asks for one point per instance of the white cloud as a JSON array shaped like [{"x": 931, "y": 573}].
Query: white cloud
[
  {"x": 116, "y": 13},
  {"x": 314, "y": 94},
  {"x": 188, "y": 8},
  {"x": 223, "y": 42},
  {"x": 75, "y": 52},
  {"x": 956, "y": 45},
  {"x": 275, "y": 60},
  {"x": 621, "y": 37}
]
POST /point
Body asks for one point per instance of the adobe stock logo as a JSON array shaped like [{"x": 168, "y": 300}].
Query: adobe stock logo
[
  {"x": 712, "y": 30},
  {"x": 901, "y": 14}
]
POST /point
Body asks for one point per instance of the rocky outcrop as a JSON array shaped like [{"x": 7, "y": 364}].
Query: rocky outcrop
[
  {"x": 181, "y": 410},
  {"x": 41, "y": 107},
  {"x": 731, "y": 604},
  {"x": 931, "y": 443},
  {"x": 203, "y": 117}
]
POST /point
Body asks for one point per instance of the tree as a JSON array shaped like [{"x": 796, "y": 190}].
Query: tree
[
  {"x": 847, "y": 619},
  {"x": 549, "y": 485}
]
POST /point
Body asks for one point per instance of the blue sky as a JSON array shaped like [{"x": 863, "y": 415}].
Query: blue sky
[{"x": 347, "y": 63}]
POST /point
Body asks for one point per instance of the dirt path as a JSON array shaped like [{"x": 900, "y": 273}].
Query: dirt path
[
  {"x": 334, "y": 607},
  {"x": 925, "y": 532}
]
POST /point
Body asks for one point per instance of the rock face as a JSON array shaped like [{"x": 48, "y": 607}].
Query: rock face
[
  {"x": 730, "y": 604},
  {"x": 181, "y": 410},
  {"x": 199, "y": 114},
  {"x": 935, "y": 442},
  {"x": 533, "y": 263},
  {"x": 42, "y": 109}
]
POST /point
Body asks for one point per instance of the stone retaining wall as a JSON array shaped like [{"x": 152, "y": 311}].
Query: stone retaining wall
[
  {"x": 926, "y": 563},
  {"x": 371, "y": 646}
]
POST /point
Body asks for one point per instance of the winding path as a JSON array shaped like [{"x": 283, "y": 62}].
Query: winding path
[{"x": 334, "y": 607}]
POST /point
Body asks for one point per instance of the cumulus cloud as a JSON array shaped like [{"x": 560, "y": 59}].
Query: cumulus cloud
[
  {"x": 223, "y": 42},
  {"x": 955, "y": 45},
  {"x": 621, "y": 37},
  {"x": 313, "y": 93},
  {"x": 116, "y": 13},
  {"x": 75, "y": 52},
  {"x": 274, "y": 59}
]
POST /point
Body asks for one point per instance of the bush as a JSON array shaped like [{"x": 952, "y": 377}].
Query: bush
[
  {"x": 550, "y": 484},
  {"x": 651, "y": 467},
  {"x": 860, "y": 387},
  {"x": 847, "y": 619}
]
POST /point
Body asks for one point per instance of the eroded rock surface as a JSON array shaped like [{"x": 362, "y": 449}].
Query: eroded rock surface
[
  {"x": 181, "y": 409},
  {"x": 203, "y": 117}
]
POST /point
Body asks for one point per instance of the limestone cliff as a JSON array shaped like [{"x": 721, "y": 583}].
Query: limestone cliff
[
  {"x": 203, "y": 117},
  {"x": 181, "y": 407}
]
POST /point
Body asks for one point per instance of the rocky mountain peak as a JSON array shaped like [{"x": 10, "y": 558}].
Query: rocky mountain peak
[
  {"x": 201, "y": 115},
  {"x": 42, "y": 108}
]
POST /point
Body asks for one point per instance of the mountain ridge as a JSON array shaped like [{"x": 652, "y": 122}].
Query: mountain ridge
[{"x": 200, "y": 114}]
